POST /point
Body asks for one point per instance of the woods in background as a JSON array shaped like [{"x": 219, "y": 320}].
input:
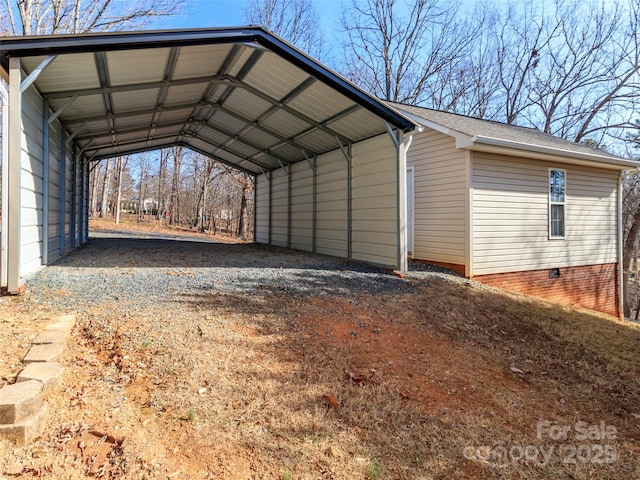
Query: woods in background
[{"x": 176, "y": 187}]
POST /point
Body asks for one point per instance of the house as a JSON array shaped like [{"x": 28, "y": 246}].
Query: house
[
  {"x": 516, "y": 208},
  {"x": 506, "y": 205}
]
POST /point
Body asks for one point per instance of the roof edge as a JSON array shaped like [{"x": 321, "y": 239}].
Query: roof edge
[{"x": 621, "y": 163}]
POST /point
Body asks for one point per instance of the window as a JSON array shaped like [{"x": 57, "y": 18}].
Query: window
[{"x": 557, "y": 195}]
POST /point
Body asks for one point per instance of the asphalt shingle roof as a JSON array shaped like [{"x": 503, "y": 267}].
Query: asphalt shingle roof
[{"x": 512, "y": 133}]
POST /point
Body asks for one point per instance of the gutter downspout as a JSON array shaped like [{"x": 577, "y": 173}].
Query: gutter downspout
[{"x": 5, "y": 185}]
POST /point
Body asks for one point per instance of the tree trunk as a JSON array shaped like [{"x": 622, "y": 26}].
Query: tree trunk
[
  {"x": 628, "y": 253},
  {"x": 104, "y": 204},
  {"x": 174, "y": 214},
  {"x": 93, "y": 180},
  {"x": 242, "y": 218},
  {"x": 120, "y": 164}
]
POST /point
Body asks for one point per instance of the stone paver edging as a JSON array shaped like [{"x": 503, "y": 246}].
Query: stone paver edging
[{"x": 23, "y": 413}]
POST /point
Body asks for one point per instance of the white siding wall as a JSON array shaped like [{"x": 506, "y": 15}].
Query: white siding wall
[
  {"x": 279, "y": 207},
  {"x": 302, "y": 206},
  {"x": 374, "y": 201},
  {"x": 332, "y": 205},
  {"x": 510, "y": 221},
  {"x": 440, "y": 204},
  {"x": 262, "y": 209},
  {"x": 31, "y": 172}
]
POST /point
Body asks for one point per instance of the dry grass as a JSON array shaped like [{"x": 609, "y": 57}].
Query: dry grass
[{"x": 236, "y": 387}]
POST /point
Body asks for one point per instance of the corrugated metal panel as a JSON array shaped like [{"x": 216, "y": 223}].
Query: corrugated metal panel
[
  {"x": 212, "y": 136},
  {"x": 149, "y": 66},
  {"x": 56, "y": 166},
  {"x": 317, "y": 141},
  {"x": 301, "y": 206},
  {"x": 259, "y": 137},
  {"x": 135, "y": 100},
  {"x": 68, "y": 206},
  {"x": 57, "y": 77},
  {"x": 360, "y": 124},
  {"x": 375, "y": 230},
  {"x": 510, "y": 231},
  {"x": 262, "y": 209},
  {"x": 439, "y": 198},
  {"x": 82, "y": 106},
  {"x": 279, "y": 207},
  {"x": 275, "y": 76},
  {"x": 285, "y": 124},
  {"x": 173, "y": 116},
  {"x": 181, "y": 94},
  {"x": 287, "y": 153},
  {"x": 31, "y": 184},
  {"x": 332, "y": 205},
  {"x": 246, "y": 104},
  {"x": 320, "y": 102},
  {"x": 201, "y": 60},
  {"x": 226, "y": 122}
]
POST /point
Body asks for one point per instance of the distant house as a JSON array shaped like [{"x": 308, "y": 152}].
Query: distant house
[{"x": 516, "y": 208}]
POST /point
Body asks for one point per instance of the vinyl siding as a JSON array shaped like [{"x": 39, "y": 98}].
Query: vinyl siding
[
  {"x": 301, "y": 237},
  {"x": 31, "y": 176},
  {"x": 510, "y": 220},
  {"x": 374, "y": 201},
  {"x": 262, "y": 209},
  {"x": 440, "y": 206}
]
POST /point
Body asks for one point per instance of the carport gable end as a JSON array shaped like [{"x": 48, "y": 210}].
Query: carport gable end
[{"x": 240, "y": 95}]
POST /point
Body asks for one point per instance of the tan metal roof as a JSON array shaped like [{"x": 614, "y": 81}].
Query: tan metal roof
[
  {"x": 486, "y": 132},
  {"x": 241, "y": 95}
]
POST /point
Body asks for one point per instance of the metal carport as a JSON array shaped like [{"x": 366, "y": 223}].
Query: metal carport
[{"x": 328, "y": 159}]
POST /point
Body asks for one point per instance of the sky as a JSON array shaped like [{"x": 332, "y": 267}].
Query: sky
[{"x": 221, "y": 13}]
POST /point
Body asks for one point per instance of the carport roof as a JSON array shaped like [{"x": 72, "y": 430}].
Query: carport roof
[{"x": 241, "y": 95}]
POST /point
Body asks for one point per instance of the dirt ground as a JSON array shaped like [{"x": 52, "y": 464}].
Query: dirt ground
[{"x": 446, "y": 381}]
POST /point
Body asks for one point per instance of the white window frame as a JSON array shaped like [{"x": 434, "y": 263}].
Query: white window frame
[{"x": 563, "y": 203}]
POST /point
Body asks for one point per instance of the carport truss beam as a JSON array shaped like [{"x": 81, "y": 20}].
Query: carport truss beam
[
  {"x": 172, "y": 140},
  {"x": 220, "y": 79}
]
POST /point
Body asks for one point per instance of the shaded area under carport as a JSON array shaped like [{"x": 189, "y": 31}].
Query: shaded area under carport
[{"x": 132, "y": 270}]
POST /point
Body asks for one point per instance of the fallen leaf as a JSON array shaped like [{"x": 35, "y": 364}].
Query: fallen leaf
[
  {"x": 357, "y": 379},
  {"x": 331, "y": 400},
  {"x": 517, "y": 371}
]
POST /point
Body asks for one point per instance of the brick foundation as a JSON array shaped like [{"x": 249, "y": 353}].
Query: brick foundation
[{"x": 592, "y": 286}]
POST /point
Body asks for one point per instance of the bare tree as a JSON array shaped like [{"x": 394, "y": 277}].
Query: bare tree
[
  {"x": 39, "y": 17},
  {"x": 174, "y": 208},
  {"x": 106, "y": 190},
  {"x": 121, "y": 165},
  {"x": 296, "y": 21},
  {"x": 395, "y": 55}
]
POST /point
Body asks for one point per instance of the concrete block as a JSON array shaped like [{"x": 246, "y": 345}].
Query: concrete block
[
  {"x": 43, "y": 353},
  {"x": 47, "y": 374},
  {"x": 28, "y": 429},
  {"x": 51, "y": 336},
  {"x": 19, "y": 401},
  {"x": 62, "y": 322}
]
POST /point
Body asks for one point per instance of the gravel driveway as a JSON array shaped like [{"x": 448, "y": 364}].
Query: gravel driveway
[{"x": 133, "y": 270}]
